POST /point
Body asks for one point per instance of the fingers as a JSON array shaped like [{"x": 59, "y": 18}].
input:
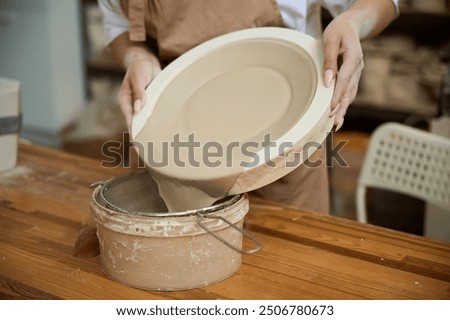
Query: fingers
[
  {"x": 131, "y": 99},
  {"x": 125, "y": 100},
  {"x": 352, "y": 65},
  {"x": 348, "y": 97},
  {"x": 349, "y": 73},
  {"x": 132, "y": 94},
  {"x": 331, "y": 53}
]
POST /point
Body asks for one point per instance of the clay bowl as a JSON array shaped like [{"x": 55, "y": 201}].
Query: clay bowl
[{"x": 250, "y": 105}]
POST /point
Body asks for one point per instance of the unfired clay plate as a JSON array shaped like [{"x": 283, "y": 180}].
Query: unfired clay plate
[{"x": 224, "y": 97}]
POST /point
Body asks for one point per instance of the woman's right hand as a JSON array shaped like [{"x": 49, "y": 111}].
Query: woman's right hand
[
  {"x": 140, "y": 72},
  {"x": 141, "y": 66}
]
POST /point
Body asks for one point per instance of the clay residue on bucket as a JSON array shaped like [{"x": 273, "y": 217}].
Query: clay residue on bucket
[
  {"x": 168, "y": 263},
  {"x": 169, "y": 251}
]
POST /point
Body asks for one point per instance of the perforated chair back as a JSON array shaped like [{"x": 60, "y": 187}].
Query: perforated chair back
[{"x": 406, "y": 160}]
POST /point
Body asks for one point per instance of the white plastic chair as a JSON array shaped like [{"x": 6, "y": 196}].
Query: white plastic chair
[{"x": 406, "y": 160}]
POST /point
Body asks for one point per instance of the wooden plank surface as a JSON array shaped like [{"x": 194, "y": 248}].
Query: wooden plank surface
[{"x": 44, "y": 206}]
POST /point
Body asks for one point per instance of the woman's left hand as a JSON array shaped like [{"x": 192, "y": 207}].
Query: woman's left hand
[{"x": 341, "y": 38}]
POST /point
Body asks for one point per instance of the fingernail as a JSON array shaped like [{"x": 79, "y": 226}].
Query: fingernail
[
  {"x": 328, "y": 77},
  {"x": 339, "y": 125}
]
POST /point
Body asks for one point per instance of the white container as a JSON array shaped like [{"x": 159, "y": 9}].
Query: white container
[
  {"x": 10, "y": 123},
  {"x": 166, "y": 251}
]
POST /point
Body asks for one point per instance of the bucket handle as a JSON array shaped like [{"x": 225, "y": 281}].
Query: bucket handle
[{"x": 258, "y": 245}]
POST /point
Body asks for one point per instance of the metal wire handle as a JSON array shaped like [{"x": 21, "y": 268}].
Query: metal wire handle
[{"x": 258, "y": 244}]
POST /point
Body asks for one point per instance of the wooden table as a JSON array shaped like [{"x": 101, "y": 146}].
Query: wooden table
[{"x": 44, "y": 204}]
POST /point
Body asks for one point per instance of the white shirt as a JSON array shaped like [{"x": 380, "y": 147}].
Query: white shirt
[{"x": 303, "y": 16}]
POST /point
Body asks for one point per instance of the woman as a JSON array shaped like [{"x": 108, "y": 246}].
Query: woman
[{"x": 146, "y": 35}]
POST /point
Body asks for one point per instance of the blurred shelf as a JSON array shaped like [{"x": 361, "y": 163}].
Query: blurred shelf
[
  {"x": 424, "y": 111},
  {"x": 366, "y": 116},
  {"x": 427, "y": 27},
  {"x": 103, "y": 65},
  {"x": 98, "y": 59},
  {"x": 411, "y": 11}
]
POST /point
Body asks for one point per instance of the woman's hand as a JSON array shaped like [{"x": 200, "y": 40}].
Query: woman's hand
[
  {"x": 341, "y": 38},
  {"x": 141, "y": 66},
  {"x": 364, "y": 19},
  {"x": 140, "y": 72}
]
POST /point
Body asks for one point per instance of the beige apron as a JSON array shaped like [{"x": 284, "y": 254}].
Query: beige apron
[
  {"x": 172, "y": 27},
  {"x": 176, "y": 26}
]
